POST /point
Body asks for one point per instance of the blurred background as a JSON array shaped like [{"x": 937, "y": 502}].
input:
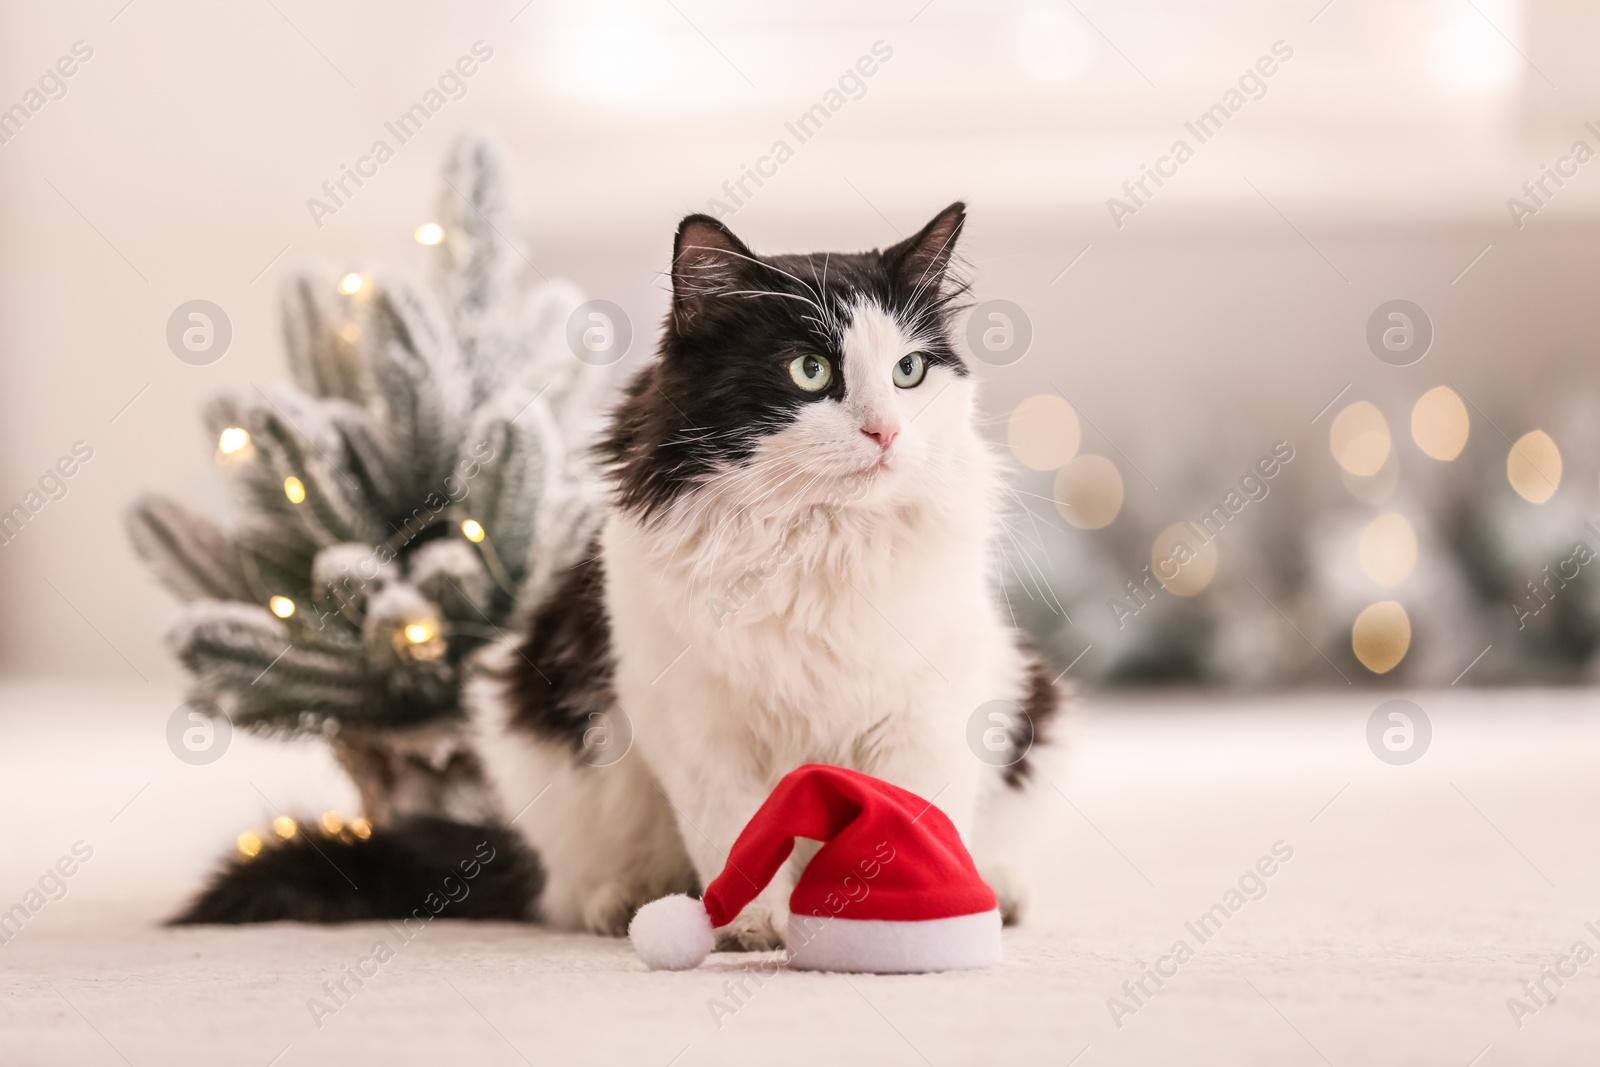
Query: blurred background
[
  {"x": 1147, "y": 351},
  {"x": 1284, "y": 315}
]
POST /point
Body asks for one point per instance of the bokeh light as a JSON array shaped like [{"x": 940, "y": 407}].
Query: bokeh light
[
  {"x": 429, "y": 233},
  {"x": 351, "y": 283},
  {"x": 1359, "y": 439},
  {"x": 1534, "y": 467},
  {"x": 294, "y": 489},
  {"x": 249, "y": 843},
  {"x": 281, "y": 606},
  {"x": 233, "y": 439},
  {"x": 1089, "y": 492},
  {"x": 421, "y": 640},
  {"x": 284, "y": 827},
  {"x": 1439, "y": 423},
  {"x": 1381, "y": 636},
  {"x": 472, "y": 530},
  {"x": 1043, "y": 432},
  {"x": 1388, "y": 549},
  {"x": 1184, "y": 558}
]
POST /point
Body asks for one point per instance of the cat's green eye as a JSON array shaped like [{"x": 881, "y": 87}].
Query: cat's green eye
[
  {"x": 811, "y": 373},
  {"x": 910, "y": 370}
]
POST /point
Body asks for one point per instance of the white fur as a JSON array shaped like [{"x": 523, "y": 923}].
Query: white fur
[
  {"x": 606, "y": 841},
  {"x": 747, "y": 645}
]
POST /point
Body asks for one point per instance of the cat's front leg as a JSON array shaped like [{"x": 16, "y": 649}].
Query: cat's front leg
[
  {"x": 928, "y": 756},
  {"x": 990, "y": 816},
  {"x": 764, "y": 922},
  {"x": 713, "y": 801}
]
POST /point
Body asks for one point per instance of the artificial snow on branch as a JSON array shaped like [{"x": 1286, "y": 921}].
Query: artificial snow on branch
[{"x": 395, "y": 506}]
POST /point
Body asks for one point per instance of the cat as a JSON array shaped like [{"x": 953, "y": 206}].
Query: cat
[{"x": 794, "y": 566}]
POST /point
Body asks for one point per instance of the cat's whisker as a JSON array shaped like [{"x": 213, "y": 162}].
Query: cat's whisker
[
  {"x": 760, "y": 263},
  {"x": 1038, "y": 571},
  {"x": 730, "y": 481},
  {"x": 769, "y": 292},
  {"x": 751, "y": 499}
]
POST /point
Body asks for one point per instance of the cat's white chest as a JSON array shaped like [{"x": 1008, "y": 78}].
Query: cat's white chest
[{"x": 802, "y": 645}]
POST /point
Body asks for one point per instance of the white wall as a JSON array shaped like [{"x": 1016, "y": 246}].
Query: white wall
[{"x": 1376, "y": 165}]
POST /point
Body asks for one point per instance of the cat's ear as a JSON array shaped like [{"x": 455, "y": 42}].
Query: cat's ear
[
  {"x": 707, "y": 260},
  {"x": 921, "y": 260}
]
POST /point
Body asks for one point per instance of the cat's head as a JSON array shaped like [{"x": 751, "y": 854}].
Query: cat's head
[{"x": 799, "y": 376}]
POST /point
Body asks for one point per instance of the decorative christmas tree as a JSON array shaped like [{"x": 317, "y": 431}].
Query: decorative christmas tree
[{"x": 398, "y": 506}]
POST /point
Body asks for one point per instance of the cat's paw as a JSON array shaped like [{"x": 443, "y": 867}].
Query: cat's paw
[
  {"x": 610, "y": 906},
  {"x": 758, "y": 928},
  {"x": 1010, "y": 889}
]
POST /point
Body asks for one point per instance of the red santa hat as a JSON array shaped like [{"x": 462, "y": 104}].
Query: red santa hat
[{"x": 892, "y": 889}]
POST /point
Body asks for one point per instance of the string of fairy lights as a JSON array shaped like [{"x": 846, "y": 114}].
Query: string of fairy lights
[
  {"x": 1044, "y": 434},
  {"x": 420, "y": 638},
  {"x": 283, "y": 828}
]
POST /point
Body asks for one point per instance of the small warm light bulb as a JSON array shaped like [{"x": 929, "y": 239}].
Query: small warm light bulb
[
  {"x": 294, "y": 489},
  {"x": 472, "y": 530},
  {"x": 281, "y": 606},
  {"x": 1043, "y": 432},
  {"x": 351, "y": 283},
  {"x": 1359, "y": 439},
  {"x": 233, "y": 439},
  {"x": 331, "y": 822},
  {"x": 249, "y": 843},
  {"x": 1440, "y": 424},
  {"x": 361, "y": 827},
  {"x": 429, "y": 233},
  {"x": 1534, "y": 467},
  {"x": 1184, "y": 558},
  {"x": 420, "y": 641},
  {"x": 1088, "y": 491},
  {"x": 1381, "y": 635},
  {"x": 284, "y": 827}
]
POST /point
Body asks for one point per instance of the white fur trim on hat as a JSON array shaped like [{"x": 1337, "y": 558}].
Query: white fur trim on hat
[
  {"x": 878, "y": 946},
  {"x": 672, "y": 934}
]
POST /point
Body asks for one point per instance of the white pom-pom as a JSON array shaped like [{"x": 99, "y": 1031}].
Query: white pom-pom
[{"x": 672, "y": 934}]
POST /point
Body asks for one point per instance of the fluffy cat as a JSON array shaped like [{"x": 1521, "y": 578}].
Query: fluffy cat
[{"x": 795, "y": 567}]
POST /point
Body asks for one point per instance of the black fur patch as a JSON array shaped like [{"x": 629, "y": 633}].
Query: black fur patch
[
  {"x": 561, "y": 674},
  {"x": 721, "y": 381},
  {"x": 1041, "y": 702},
  {"x": 421, "y": 867}
]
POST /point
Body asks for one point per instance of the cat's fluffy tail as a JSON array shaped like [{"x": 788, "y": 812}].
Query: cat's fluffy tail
[{"x": 420, "y": 868}]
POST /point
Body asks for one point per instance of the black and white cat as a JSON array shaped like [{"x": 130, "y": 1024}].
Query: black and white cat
[{"x": 795, "y": 567}]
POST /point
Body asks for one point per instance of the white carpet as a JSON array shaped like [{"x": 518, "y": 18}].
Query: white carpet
[{"x": 1414, "y": 906}]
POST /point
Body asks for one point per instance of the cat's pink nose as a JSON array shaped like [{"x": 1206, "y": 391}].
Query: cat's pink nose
[{"x": 882, "y": 432}]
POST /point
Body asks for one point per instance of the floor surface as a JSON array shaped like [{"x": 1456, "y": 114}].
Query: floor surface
[{"x": 1417, "y": 902}]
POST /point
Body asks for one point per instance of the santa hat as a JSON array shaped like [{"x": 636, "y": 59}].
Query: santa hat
[{"x": 892, "y": 889}]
